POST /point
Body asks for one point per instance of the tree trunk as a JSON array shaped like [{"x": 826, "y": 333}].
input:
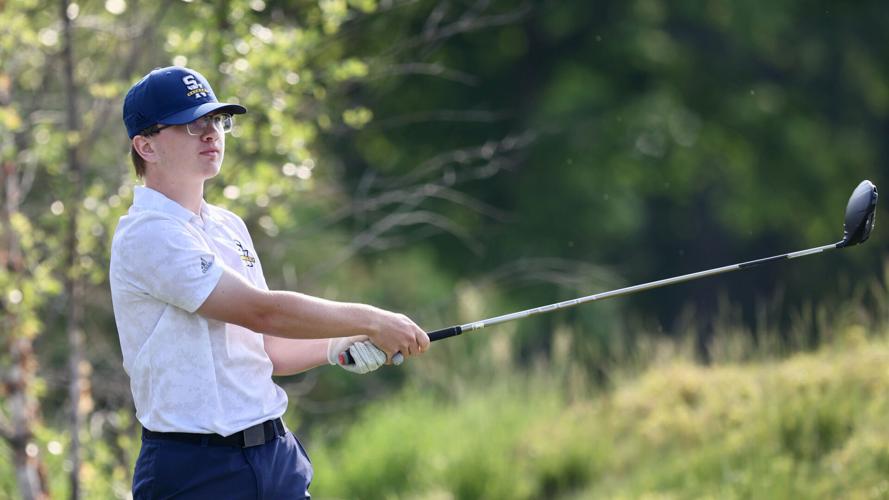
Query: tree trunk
[
  {"x": 29, "y": 471},
  {"x": 21, "y": 405},
  {"x": 73, "y": 278}
]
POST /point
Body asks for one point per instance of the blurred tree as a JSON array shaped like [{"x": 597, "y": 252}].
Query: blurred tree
[
  {"x": 74, "y": 280},
  {"x": 451, "y": 159},
  {"x": 24, "y": 279},
  {"x": 60, "y": 203},
  {"x": 667, "y": 139}
]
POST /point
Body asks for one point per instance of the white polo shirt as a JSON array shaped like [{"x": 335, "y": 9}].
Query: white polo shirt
[{"x": 187, "y": 373}]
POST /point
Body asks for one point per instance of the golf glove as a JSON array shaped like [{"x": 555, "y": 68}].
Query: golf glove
[{"x": 367, "y": 356}]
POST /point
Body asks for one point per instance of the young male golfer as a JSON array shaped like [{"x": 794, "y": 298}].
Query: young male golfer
[{"x": 200, "y": 331}]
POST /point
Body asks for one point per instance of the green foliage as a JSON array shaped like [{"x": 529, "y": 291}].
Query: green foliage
[
  {"x": 439, "y": 449},
  {"x": 806, "y": 427},
  {"x": 813, "y": 425},
  {"x": 457, "y": 163},
  {"x": 108, "y": 459}
]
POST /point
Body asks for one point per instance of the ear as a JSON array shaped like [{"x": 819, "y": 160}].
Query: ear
[{"x": 145, "y": 148}]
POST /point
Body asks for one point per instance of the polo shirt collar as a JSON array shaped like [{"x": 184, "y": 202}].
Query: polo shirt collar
[
  {"x": 145, "y": 198},
  {"x": 207, "y": 215}
]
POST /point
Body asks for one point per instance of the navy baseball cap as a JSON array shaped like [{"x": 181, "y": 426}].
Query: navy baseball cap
[{"x": 171, "y": 96}]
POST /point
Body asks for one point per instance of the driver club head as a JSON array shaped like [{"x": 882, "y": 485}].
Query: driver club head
[{"x": 859, "y": 214}]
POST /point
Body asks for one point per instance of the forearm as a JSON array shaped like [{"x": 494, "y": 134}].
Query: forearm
[
  {"x": 292, "y": 356},
  {"x": 294, "y": 315},
  {"x": 286, "y": 314}
]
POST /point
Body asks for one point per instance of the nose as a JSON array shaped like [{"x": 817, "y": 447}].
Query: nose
[{"x": 211, "y": 133}]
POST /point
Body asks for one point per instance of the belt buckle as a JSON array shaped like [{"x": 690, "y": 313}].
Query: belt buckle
[{"x": 254, "y": 436}]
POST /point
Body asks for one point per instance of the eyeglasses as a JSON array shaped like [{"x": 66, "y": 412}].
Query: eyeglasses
[{"x": 222, "y": 122}]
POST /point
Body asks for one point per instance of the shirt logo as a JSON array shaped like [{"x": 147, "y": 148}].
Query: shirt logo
[
  {"x": 195, "y": 89},
  {"x": 246, "y": 258},
  {"x": 205, "y": 265}
]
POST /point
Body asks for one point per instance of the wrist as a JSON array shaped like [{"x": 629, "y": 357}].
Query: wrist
[
  {"x": 330, "y": 351},
  {"x": 370, "y": 320}
]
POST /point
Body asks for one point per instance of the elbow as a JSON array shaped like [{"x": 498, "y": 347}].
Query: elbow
[
  {"x": 277, "y": 350},
  {"x": 277, "y": 365},
  {"x": 260, "y": 322},
  {"x": 279, "y": 370},
  {"x": 264, "y": 316},
  {"x": 269, "y": 313},
  {"x": 237, "y": 302}
]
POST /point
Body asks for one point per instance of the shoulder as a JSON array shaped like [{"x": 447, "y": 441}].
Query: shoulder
[
  {"x": 147, "y": 233},
  {"x": 227, "y": 217},
  {"x": 147, "y": 226}
]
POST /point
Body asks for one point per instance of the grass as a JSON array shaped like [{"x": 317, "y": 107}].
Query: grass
[{"x": 813, "y": 425}]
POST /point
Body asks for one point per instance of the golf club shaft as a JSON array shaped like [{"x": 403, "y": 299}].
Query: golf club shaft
[
  {"x": 453, "y": 331},
  {"x": 457, "y": 330}
]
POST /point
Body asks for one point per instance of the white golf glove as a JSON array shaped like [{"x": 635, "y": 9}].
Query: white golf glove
[{"x": 367, "y": 356}]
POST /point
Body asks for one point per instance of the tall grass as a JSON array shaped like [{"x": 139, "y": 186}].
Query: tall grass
[{"x": 811, "y": 426}]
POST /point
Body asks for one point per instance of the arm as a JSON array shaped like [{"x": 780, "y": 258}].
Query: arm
[
  {"x": 292, "y": 356},
  {"x": 293, "y": 315}
]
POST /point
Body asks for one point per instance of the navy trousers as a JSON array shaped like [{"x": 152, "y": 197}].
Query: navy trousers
[{"x": 279, "y": 469}]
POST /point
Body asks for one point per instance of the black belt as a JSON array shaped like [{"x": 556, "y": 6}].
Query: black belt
[{"x": 252, "y": 436}]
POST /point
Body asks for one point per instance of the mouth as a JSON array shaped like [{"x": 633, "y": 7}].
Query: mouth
[{"x": 212, "y": 152}]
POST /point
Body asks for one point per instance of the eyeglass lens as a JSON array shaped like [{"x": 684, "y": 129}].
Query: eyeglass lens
[{"x": 221, "y": 122}]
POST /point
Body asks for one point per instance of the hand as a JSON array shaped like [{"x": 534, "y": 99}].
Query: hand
[
  {"x": 365, "y": 356},
  {"x": 395, "y": 333},
  {"x": 336, "y": 346}
]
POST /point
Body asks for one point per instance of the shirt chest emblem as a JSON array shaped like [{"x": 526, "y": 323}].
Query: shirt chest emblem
[{"x": 246, "y": 258}]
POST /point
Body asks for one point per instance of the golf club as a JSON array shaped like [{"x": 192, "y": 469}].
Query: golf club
[{"x": 858, "y": 224}]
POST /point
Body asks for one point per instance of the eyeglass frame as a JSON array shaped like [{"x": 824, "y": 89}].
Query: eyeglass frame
[{"x": 208, "y": 120}]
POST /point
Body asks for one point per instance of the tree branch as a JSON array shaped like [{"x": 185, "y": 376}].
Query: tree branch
[
  {"x": 443, "y": 115},
  {"x": 428, "y": 69}
]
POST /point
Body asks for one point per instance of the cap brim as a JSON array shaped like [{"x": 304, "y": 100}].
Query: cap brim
[{"x": 192, "y": 114}]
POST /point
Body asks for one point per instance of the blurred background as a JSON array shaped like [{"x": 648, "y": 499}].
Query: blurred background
[{"x": 456, "y": 160}]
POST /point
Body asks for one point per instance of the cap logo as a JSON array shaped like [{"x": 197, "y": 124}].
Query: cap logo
[{"x": 194, "y": 88}]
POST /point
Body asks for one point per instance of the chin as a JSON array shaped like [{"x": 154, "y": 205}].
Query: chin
[{"x": 212, "y": 170}]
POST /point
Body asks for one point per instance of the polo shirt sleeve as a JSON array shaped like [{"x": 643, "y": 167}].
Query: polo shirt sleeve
[{"x": 169, "y": 261}]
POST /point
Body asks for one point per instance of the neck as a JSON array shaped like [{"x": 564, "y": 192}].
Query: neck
[{"x": 188, "y": 193}]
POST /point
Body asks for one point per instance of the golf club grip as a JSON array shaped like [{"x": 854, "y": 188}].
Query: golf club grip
[
  {"x": 444, "y": 333},
  {"x": 451, "y": 331}
]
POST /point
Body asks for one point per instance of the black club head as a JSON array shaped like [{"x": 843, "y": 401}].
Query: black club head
[{"x": 859, "y": 214}]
